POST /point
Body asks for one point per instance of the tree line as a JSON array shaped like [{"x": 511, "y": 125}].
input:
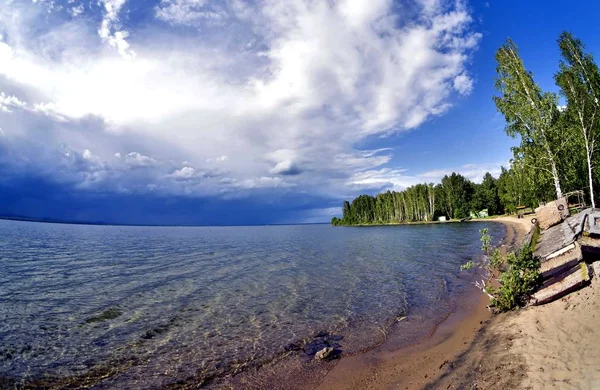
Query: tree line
[
  {"x": 557, "y": 153},
  {"x": 455, "y": 197}
]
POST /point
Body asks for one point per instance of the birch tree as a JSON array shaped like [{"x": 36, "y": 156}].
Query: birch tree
[
  {"x": 579, "y": 80},
  {"x": 529, "y": 112}
]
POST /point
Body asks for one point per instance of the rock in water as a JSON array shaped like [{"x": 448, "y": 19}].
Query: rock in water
[{"x": 324, "y": 353}]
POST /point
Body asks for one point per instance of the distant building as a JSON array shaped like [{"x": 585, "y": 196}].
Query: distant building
[
  {"x": 442, "y": 218},
  {"x": 481, "y": 214}
]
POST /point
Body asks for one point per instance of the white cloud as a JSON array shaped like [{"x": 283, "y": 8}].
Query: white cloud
[
  {"x": 286, "y": 167},
  {"x": 189, "y": 12},
  {"x": 76, "y": 10},
  {"x": 386, "y": 178},
  {"x": 184, "y": 173},
  {"x": 265, "y": 182},
  {"x": 109, "y": 28},
  {"x": 136, "y": 159},
  {"x": 473, "y": 172},
  {"x": 272, "y": 90},
  {"x": 49, "y": 109},
  {"x": 463, "y": 84},
  {"x": 7, "y": 103},
  {"x": 399, "y": 179}
]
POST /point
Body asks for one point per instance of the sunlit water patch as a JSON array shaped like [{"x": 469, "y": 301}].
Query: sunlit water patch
[{"x": 151, "y": 306}]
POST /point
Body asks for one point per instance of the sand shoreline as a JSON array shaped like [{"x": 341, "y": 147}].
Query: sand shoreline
[
  {"x": 540, "y": 347},
  {"x": 420, "y": 365}
]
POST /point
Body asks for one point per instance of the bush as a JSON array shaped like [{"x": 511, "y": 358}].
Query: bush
[
  {"x": 518, "y": 281},
  {"x": 519, "y": 277}
]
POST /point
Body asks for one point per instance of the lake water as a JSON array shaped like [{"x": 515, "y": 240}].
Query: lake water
[{"x": 148, "y": 307}]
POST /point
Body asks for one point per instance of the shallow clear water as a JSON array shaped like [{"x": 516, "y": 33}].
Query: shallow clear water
[{"x": 202, "y": 301}]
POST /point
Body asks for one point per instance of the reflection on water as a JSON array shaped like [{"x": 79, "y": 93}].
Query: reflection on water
[{"x": 158, "y": 305}]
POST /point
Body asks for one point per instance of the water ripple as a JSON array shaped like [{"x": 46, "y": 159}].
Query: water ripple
[{"x": 198, "y": 301}]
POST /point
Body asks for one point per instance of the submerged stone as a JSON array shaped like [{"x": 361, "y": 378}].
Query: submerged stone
[
  {"x": 315, "y": 346},
  {"x": 109, "y": 314},
  {"x": 292, "y": 347},
  {"x": 324, "y": 353}
]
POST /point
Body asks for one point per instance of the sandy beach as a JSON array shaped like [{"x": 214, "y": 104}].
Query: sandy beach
[{"x": 540, "y": 347}]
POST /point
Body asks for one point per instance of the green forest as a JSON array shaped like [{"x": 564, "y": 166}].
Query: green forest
[{"x": 557, "y": 153}]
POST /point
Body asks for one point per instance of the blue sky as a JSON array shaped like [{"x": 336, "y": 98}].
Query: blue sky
[{"x": 235, "y": 112}]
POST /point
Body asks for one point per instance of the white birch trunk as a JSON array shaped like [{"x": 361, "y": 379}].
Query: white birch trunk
[
  {"x": 589, "y": 163},
  {"x": 556, "y": 179}
]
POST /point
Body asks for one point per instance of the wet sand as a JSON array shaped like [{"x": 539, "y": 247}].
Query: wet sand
[{"x": 427, "y": 363}]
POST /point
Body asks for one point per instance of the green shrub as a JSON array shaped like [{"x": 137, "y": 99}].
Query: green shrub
[
  {"x": 518, "y": 277},
  {"x": 518, "y": 281},
  {"x": 468, "y": 265}
]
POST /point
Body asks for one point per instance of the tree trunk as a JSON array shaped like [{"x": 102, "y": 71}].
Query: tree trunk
[
  {"x": 589, "y": 163},
  {"x": 555, "y": 177}
]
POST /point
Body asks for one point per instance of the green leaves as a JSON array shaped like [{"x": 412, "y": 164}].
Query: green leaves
[
  {"x": 519, "y": 277},
  {"x": 579, "y": 80},
  {"x": 530, "y": 113},
  {"x": 558, "y": 144},
  {"x": 518, "y": 282}
]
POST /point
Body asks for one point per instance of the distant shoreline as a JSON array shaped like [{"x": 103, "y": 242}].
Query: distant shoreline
[
  {"x": 495, "y": 218},
  {"x": 100, "y": 223}
]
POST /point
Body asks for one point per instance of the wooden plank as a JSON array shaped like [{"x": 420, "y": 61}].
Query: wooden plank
[
  {"x": 560, "y": 261},
  {"x": 561, "y": 251},
  {"x": 573, "y": 281},
  {"x": 554, "y": 239}
]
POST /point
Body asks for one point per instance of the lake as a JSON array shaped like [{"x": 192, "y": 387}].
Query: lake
[{"x": 147, "y": 307}]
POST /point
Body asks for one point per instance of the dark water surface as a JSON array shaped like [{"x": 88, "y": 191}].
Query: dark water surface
[{"x": 152, "y": 306}]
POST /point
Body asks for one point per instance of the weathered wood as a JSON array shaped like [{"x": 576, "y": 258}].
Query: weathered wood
[
  {"x": 577, "y": 222},
  {"x": 572, "y": 280},
  {"x": 560, "y": 261},
  {"x": 589, "y": 244},
  {"x": 554, "y": 239}
]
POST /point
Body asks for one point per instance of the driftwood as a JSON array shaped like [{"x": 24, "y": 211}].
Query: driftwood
[
  {"x": 483, "y": 287},
  {"x": 561, "y": 285}
]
